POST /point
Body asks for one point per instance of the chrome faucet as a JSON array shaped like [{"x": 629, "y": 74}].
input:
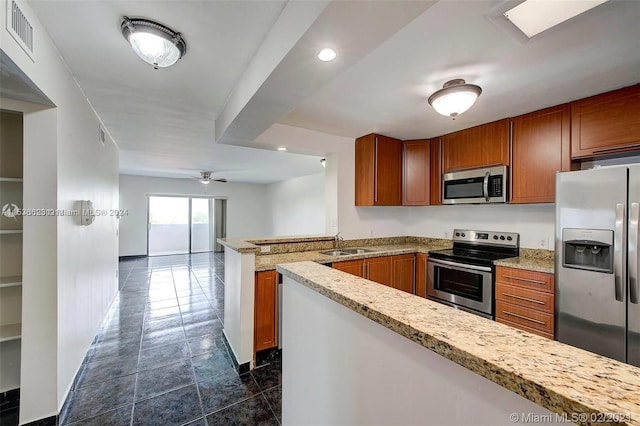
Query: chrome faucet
[{"x": 336, "y": 240}]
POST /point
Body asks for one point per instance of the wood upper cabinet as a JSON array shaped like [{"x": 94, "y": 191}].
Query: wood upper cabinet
[
  {"x": 403, "y": 269},
  {"x": 606, "y": 124},
  {"x": 416, "y": 175},
  {"x": 540, "y": 143},
  {"x": 378, "y": 171},
  {"x": 435, "y": 170},
  {"x": 480, "y": 146},
  {"x": 353, "y": 267},
  {"x": 265, "y": 310},
  {"x": 421, "y": 274}
]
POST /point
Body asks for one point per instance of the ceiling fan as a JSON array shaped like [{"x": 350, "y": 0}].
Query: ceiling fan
[{"x": 205, "y": 178}]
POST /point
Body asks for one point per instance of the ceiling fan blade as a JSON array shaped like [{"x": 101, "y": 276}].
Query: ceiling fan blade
[{"x": 223, "y": 180}]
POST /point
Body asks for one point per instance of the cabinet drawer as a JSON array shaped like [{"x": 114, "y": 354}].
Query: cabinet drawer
[
  {"x": 532, "y": 280},
  {"x": 529, "y": 318},
  {"x": 520, "y": 296},
  {"x": 525, "y": 328}
]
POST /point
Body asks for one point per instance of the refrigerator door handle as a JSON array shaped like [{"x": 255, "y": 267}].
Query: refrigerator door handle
[
  {"x": 634, "y": 217},
  {"x": 618, "y": 253}
]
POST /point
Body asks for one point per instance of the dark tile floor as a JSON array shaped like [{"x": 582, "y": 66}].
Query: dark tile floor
[{"x": 160, "y": 358}]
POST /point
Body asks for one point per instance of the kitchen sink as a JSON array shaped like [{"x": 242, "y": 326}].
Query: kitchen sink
[
  {"x": 335, "y": 253},
  {"x": 346, "y": 252}
]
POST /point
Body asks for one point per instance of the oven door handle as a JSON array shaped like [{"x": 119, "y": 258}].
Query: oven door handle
[{"x": 460, "y": 265}]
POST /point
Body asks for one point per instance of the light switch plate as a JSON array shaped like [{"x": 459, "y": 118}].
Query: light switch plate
[{"x": 265, "y": 249}]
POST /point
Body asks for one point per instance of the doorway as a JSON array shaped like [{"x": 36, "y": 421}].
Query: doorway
[{"x": 183, "y": 225}]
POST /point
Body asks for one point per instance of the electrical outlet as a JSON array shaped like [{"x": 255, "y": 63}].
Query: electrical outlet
[
  {"x": 265, "y": 249},
  {"x": 543, "y": 242}
]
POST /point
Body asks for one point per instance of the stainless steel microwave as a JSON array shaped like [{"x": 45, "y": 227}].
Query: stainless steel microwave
[{"x": 477, "y": 186}]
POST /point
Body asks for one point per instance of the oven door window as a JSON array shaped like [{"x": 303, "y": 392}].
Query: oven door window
[
  {"x": 459, "y": 283},
  {"x": 464, "y": 188}
]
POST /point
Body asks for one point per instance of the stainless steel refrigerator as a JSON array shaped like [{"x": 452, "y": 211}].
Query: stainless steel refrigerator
[{"x": 597, "y": 294}]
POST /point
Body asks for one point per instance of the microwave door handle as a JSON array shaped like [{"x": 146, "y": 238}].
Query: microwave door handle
[
  {"x": 485, "y": 186},
  {"x": 618, "y": 259},
  {"x": 634, "y": 285}
]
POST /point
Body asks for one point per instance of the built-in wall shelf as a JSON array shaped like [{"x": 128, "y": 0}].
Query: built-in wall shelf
[
  {"x": 8, "y": 179},
  {"x": 10, "y": 332},
  {"x": 10, "y": 231},
  {"x": 13, "y": 281}
]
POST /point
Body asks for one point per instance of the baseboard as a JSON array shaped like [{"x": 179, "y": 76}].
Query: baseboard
[
  {"x": 241, "y": 368},
  {"x": 267, "y": 356},
  {"x": 49, "y": 421},
  {"x": 9, "y": 400},
  {"x": 137, "y": 256}
]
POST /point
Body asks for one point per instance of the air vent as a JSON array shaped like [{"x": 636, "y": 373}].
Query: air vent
[{"x": 19, "y": 27}]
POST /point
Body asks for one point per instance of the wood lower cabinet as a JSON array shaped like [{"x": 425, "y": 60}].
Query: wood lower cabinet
[
  {"x": 378, "y": 171},
  {"x": 403, "y": 271},
  {"x": 606, "y": 124},
  {"x": 480, "y": 146},
  {"x": 421, "y": 274},
  {"x": 353, "y": 267},
  {"x": 265, "y": 316},
  {"x": 525, "y": 300},
  {"x": 378, "y": 269},
  {"x": 540, "y": 145},
  {"x": 416, "y": 176}
]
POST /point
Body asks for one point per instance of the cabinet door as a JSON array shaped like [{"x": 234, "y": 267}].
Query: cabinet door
[
  {"x": 265, "y": 310},
  {"x": 421, "y": 274},
  {"x": 378, "y": 171},
  {"x": 606, "y": 124},
  {"x": 353, "y": 267},
  {"x": 378, "y": 269},
  {"x": 416, "y": 173},
  {"x": 403, "y": 269},
  {"x": 435, "y": 169},
  {"x": 485, "y": 145},
  {"x": 539, "y": 148}
]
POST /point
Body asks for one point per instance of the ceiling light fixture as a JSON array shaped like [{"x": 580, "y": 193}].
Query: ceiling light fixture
[
  {"x": 326, "y": 55},
  {"x": 455, "y": 97},
  {"x": 154, "y": 43},
  {"x": 323, "y": 162},
  {"x": 535, "y": 16},
  {"x": 282, "y": 148}
]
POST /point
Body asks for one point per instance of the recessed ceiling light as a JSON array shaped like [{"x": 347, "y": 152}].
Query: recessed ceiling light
[
  {"x": 326, "y": 55},
  {"x": 535, "y": 16},
  {"x": 282, "y": 148}
]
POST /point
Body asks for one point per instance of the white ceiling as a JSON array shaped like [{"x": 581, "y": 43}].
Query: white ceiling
[{"x": 250, "y": 64}]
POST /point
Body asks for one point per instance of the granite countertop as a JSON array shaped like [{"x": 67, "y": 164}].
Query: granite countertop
[
  {"x": 559, "y": 377},
  {"x": 252, "y": 245},
  {"x": 531, "y": 260},
  {"x": 269, "y": 262}
]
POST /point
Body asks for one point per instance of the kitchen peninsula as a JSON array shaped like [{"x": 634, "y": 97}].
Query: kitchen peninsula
[{"x": 356, "y": 352}]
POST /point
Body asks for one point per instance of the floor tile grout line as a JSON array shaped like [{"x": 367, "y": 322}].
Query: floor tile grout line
[{"x": 270, "y": 407}]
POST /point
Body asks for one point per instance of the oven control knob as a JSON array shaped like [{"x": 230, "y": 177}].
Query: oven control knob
[
  {"x": 509, "y": 238},
  {"x": 502, "y": 237},
  {"x": 463, "y": 234},
  {"x": 495, "y": 237},
  {"x": 457, "y": 234}
]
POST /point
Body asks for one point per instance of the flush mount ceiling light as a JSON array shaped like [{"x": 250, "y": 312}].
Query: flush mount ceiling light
[
  {"x": 455, "y": 97},
  {"x": 535, "y": 16},
  {"x": 326, "y": 55},
  {"x": 282, "y": 148},
  {"x": 154, "y": 43}
]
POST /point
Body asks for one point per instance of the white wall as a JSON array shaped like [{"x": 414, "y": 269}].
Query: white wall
[
  {"x": 297, "y": 205},
  {"x": 344, "y": 369},
  {"x": 247, "y": 207},
  {"x": 69, "y": 280}
]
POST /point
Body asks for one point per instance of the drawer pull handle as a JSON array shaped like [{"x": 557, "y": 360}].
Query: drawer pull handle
[
  {"x": 524, "y": 318},
  {"x": 525, "y": 280},
  {"x": 526, "y": 299}
]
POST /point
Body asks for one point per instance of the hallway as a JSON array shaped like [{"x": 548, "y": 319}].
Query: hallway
[{"x": 160, "y": 358}]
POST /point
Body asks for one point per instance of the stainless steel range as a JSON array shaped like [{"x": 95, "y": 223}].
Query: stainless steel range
[{"x": 463, "y": 277}]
